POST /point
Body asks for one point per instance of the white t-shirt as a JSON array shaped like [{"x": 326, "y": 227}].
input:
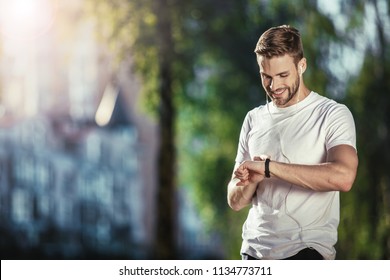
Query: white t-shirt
[{"x": 285, "y": 218}]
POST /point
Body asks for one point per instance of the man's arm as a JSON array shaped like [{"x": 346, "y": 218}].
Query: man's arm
[
  {"x": 336, "y": 174},
  {"x": 240, "y": 195}
]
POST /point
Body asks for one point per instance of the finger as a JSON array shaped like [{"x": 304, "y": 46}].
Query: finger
[
  {"x": 241, "y": 171},
  {"x": 242, "y": 183},
  {"x": 243, "y": 177}
]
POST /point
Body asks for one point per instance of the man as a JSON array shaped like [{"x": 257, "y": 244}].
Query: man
[{"x": 295, "y": 154}]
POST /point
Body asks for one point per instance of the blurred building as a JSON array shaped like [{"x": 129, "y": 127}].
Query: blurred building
[
  {"x": 77, "y": 157},
  {"x": 67, "y": 191}
]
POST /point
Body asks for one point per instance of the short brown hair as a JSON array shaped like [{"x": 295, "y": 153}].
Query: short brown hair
[{"x": 280, "y": 40}]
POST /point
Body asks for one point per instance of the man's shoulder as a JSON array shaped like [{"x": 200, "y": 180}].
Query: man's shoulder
[
  {"x": 255, "y": 111},
  {"x": 326, "y": 102},
  {"x": 257, "y": 108}
]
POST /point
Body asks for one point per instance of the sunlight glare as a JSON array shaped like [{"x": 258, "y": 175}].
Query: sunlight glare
[
  {"x": 106, "y": 106},
  {"x": 25, "y": 19}
]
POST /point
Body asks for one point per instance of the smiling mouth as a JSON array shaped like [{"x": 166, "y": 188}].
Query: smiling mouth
[{"x": 278, "y": 92}]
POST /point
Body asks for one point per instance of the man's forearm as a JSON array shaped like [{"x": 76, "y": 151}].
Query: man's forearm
[
  {"x": 337, "y": 174},
  {"x": 321, "y": 177},
  {"x": 240, "y": 196}
]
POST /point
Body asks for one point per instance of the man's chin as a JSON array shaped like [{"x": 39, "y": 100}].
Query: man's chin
[{"x": 280, "y": 102}]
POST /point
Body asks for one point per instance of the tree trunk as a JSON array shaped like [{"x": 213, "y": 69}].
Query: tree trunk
[{"x": 165, "y": 247}]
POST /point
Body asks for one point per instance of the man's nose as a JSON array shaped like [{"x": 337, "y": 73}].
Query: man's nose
[{"x": 274, "y": 84}]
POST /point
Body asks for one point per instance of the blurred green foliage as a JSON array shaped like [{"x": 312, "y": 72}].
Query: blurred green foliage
[{"x": 216, "y": 82}]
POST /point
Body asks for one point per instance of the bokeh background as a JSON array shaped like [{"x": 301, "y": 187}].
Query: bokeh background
[{"x": 119, "y": 121}]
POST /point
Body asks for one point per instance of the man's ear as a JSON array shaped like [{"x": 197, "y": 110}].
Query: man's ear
[{"x": 302, "y": 66}]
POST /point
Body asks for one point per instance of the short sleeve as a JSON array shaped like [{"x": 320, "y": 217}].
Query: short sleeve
[
  {"x": 340, "y": 128},
  {"x": 242, "y": 150}
]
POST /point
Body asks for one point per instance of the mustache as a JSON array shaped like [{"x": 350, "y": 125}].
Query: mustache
[{"x": 277, "y": 90}]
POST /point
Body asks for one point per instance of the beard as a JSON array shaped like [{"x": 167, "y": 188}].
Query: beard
[{"x": 291, "y": 92}]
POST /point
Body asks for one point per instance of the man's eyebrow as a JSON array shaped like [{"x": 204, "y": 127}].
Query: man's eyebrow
[{"x": 278, "y": 74}]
